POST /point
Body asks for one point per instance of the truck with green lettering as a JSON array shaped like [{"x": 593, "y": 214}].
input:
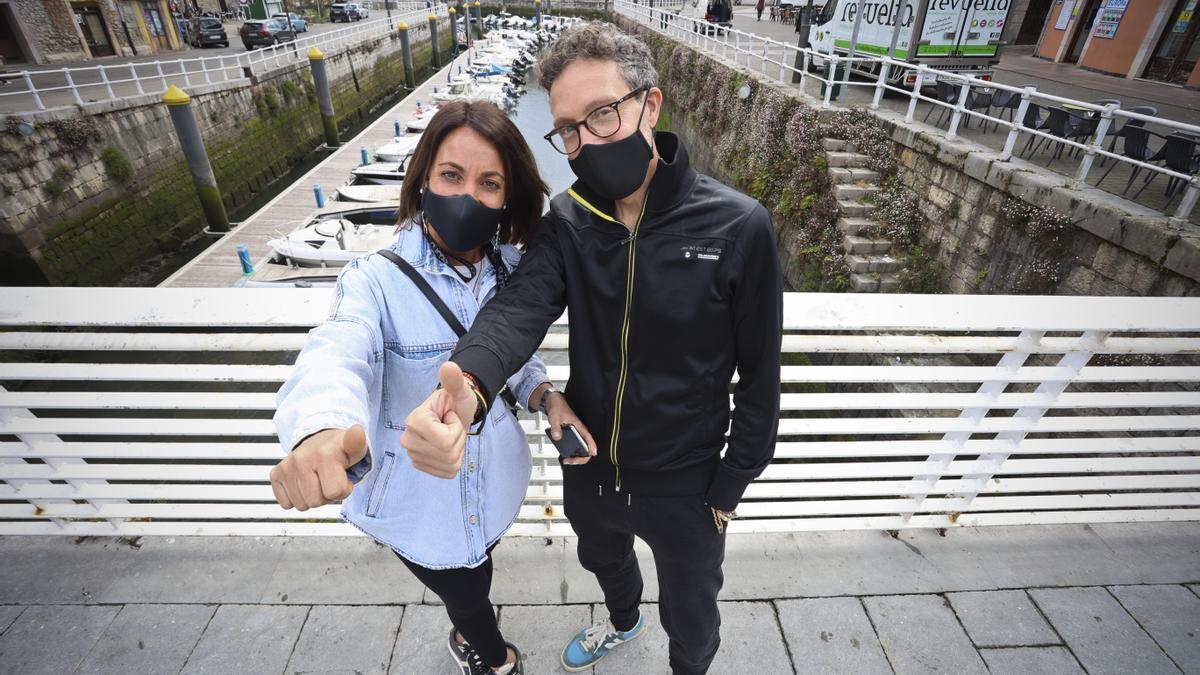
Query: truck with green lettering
[{"x": 953, "y": 36}]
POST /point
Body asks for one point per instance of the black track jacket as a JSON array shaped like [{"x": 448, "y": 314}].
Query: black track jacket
[{"x": 659, "y": 320}]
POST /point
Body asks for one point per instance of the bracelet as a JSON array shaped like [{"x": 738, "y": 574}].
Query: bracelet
[
  {"x": 541, "y": 406},
  {"x": 482, "y": 409}
]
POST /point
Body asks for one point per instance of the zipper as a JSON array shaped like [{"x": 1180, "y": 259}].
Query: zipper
[{"x": 624, "y": 372}]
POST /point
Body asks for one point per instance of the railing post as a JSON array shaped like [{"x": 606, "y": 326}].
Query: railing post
[
  {"x": 1014, "y": 131},
  {"x": 37, "y": 100},
  {"x": 915, "y": 96},
  {"x": 161, "y": 75},
  {"x": 1189, "y": 200},
  {"x": 107, "y": 84},
  {"x": 833, "y": 69},
  {"x": 956, "y": 117},
  {"x": 71, "y": 84},
  {"x": 179, "y": 105},
  {"x": 134, "y": 76},
  {"x": 881, "y": 84},
  {"x": 1085, "y": 164}
]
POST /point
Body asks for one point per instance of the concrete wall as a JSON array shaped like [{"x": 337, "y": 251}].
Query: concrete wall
[
  {"x": 65, "y": 219},
  {"x": 1053, "y": 38}
]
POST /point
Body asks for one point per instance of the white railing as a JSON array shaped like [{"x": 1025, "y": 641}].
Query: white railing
[
  {"x": 777, "y": 60},
  {"x": 29, "y": 89},
  {"x": 147, "y": 411}
]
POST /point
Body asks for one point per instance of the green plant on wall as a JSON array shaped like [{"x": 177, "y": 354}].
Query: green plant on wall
[
  {"x": 59, "y": 179},
  {"x": 116, "y": 165}
]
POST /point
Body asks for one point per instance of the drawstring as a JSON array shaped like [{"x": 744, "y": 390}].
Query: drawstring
[{"x": 629, "y": 499}]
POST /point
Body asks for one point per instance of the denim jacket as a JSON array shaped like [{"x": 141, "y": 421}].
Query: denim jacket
[{"x": 372, "y": 361}]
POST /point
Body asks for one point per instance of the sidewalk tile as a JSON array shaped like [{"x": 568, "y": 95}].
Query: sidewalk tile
[
  {"x": 647, "y": 655},
  {"x": 541, "y": 631},
  {"x": 1031, "y": 661},
  {"x": 765, "y": 567},
  {"x": 52, "y": 639},
  {"x": 1100, "y": 633},
  {"x": 346, "y": 639},
  {"x": 1002, "y": 619},
  {"x": 851, "y": 563},
  {"x": 831, "y": 635},
  {"x": 530, "y": 571},
  {"x": 1171, "y": 615},
  {"x": 750, "y": 640},
  {"x": 247, "y": 639},
  {"x": 920, "y": 634},
  {"x": 1174, "y": 547},
  {"x": 59, "y": 570},
  {"x": 331, "y": 571},
  {"x": 421, "y": 645},
  {"x": 148, "y": 639}
]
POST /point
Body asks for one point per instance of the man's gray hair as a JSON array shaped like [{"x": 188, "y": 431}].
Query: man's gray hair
[{"x": 597, "y": 40}]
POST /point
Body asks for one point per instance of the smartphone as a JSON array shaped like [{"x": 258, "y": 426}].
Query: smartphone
[{"x": 571, "y": 444}]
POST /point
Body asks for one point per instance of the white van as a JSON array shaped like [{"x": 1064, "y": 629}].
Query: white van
[{"x": 957, "y": 36}]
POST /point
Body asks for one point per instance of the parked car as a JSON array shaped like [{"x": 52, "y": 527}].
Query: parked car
[
  {"x": 298, "y": 22},
  {"x": 346, "y": 11},
  {"x": 205, "y": 32},
  {"x": 266, "y": 33}
]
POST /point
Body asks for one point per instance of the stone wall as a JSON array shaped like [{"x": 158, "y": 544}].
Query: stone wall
[
  {"x": 1111, "y": 247},
  {"x": 70, "y": 216},
  {"x": 50, "y": 26}
]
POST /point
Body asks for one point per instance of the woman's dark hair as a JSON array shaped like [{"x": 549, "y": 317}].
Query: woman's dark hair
[{"x": 524, "y": 189}]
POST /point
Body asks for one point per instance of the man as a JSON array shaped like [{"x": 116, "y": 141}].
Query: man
[{"x": 673, "y": 281}]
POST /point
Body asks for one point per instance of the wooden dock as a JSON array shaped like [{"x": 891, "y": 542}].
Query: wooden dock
[{"x": 218, "y": 265}]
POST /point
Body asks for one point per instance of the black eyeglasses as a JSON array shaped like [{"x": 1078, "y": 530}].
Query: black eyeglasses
[{"x": 601, "y": 122}]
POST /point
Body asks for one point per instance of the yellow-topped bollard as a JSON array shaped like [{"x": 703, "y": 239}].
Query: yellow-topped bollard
[
  {"x": 179, "y": 105},
  {"x": 435, "y": 45},
  {"x": 402, "y": 26},
  {"x": 316, "y": 62},
  {"x": 432, "y": 16},
  {"x": 451, "y": 10},
  {"x": 410, "y": 77},
  {"x": 315, "y": 54},
  {"x": 175, "y": 96}
]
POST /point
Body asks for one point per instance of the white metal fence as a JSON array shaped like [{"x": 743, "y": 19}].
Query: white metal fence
[
  {"x": 147, "y": 411},
  {"x": 778, "y": 60},
  {"x": 27, "y": 91}
]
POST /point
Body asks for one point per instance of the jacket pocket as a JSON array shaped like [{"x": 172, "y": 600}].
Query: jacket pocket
[
  {"x": 379, "y": 487},
  {"x": 410, "y": 374}
]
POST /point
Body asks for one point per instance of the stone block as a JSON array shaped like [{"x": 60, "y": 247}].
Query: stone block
[
  {"x": 347, "y": 639},
  {"x": 52, "y": 639},
  {"x": 831, "y": 635},
  {"x": 1100, "y": 632},
  {"x": 1184, "y": 257},
  {"x": 1171, "y": 615},
  {"x": 247, "y": 638},
  {"x": 905, "y": 625},
  {"x": 1001, "y": 619},
  {"x": 148, "y": 639}
]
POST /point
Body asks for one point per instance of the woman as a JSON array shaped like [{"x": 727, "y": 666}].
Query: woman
[{"x": 472, "y": 193}]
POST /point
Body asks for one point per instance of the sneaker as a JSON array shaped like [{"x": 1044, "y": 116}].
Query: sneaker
[
  {"x": 458, "y": 650},
  {"x": 593, "y": 644},
  {"x": 476, "y": 666}
]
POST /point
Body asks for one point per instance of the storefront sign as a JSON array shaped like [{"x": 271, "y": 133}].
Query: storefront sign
[{"x": 1109, "y": 18}]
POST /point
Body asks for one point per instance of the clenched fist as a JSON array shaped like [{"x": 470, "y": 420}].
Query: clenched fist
[
  {"x": 314, "y": 474},
  {"x": 436, "y": 433}
]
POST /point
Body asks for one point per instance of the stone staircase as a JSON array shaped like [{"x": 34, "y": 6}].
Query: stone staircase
[{"x": 872, "y": 266}]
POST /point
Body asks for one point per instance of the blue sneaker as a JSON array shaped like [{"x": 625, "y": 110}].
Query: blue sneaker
[{"x": 593, "y": 644}]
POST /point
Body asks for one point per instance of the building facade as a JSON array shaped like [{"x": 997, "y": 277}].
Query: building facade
[
  {"x": 57, "y": 31},
  {"x": 1148, "y": 39}
]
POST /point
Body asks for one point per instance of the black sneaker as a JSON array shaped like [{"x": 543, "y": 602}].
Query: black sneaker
[
  {"x": 458, "y": 650},
  {"x": 476, "y": 666}
]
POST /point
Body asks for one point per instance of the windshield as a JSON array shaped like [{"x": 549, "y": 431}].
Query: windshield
[
  {"x": 210, "y": 23},
  {"x": 826, "y": 14}
]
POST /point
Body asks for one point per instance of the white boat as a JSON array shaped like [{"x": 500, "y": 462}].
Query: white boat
[
  {"x": 368, "y": 193},
  {"x": 397, "y": 151},
  {"x": 380, "y": 173},
  {"x": 336, "y": 234},
  {"x": 418, "y": 124}
]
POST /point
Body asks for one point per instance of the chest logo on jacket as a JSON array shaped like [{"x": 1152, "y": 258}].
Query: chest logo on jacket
[{"x": 701, "y": 252}]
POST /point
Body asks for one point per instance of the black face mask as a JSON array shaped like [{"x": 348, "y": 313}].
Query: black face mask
[
  {"x": 615, "y": 170},
  {"x": 461, "y": 221}
]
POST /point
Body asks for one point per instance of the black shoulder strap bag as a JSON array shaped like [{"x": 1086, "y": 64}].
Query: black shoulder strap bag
[{"x": 436, "y": 301}]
